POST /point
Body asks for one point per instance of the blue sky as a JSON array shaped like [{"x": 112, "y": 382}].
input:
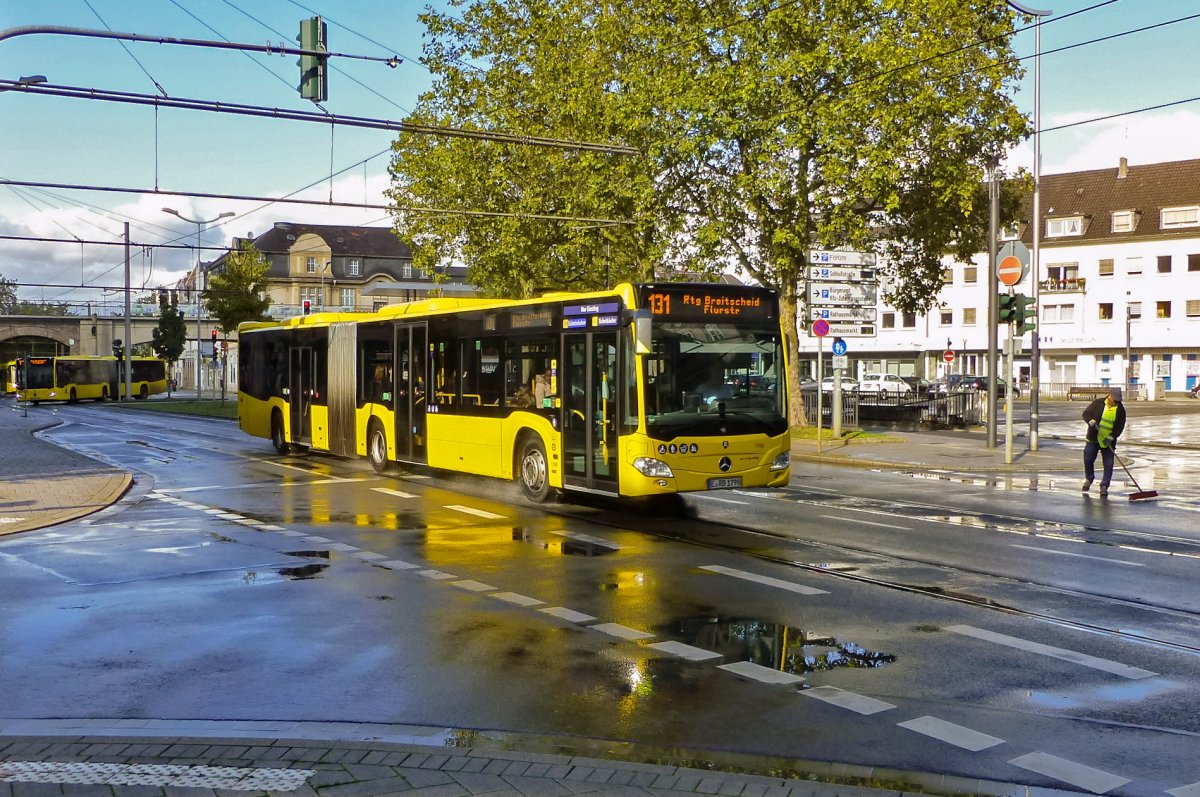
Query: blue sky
[{"x": 51, "y": 139}]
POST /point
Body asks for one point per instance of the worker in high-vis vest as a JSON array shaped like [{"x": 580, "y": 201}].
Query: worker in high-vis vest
[{"x": 1105, "y": 421}]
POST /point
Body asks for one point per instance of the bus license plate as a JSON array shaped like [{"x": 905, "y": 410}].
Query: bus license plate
[{"x": 725, "y": 484}]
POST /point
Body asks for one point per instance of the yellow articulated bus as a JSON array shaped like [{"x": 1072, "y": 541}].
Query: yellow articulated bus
[
  {"x": 639, "y": 390},
  {"x": 10, "y": 377},
  {"x": 81, "y": 377}
]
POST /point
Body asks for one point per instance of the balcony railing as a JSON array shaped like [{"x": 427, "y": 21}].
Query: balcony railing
[{"x": 1065, "y": 285}]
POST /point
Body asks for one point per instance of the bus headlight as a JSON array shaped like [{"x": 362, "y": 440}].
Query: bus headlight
[
  {"x": 782, "y": 461},
  {"x": 648, "y": 466}
]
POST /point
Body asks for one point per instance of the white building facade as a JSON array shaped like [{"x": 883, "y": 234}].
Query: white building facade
[{"x": 1119, "y": 285}]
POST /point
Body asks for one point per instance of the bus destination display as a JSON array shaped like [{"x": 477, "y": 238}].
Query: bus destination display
[{"x": 708, "y": 303}]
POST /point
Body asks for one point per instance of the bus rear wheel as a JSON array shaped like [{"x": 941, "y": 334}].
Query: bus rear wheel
[
  {"x": 277, "y": 439},
  {"x": 377, "y": 448},
  {"x": 534, "y": 472},
  {"x": 73, "y": 398}
]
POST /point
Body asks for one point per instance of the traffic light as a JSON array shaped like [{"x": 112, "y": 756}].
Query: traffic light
[
  {"x": 307, "y": 306},
  {"x": 314, "y": 69},
  {"x": 1008, "y": 308},
  {"x": 214, "y": 342},
  {"x": 1024, "y": 313},
  {"x": 118, "y": 348}
]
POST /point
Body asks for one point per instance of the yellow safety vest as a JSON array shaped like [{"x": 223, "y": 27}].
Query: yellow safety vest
[{"x": 1107, "y": 421}]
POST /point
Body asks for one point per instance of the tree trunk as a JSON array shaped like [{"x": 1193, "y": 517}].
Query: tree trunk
[{"x": 787, "y": 312}]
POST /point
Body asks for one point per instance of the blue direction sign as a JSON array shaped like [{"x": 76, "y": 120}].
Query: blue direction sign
[{"x": 839, "y": 346}]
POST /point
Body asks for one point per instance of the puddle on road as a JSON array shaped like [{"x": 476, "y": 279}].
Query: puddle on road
[
  {"x": 301, "y": 572},
  {"x": 780, "y": 647}
]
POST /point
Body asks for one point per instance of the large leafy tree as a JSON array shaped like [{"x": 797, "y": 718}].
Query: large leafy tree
[
  {"x": 237, "y": 289},
  {"x": 766, "y": 128},
  {"x": 170, "y": 336},
  {"x": 8, "y": 295}
]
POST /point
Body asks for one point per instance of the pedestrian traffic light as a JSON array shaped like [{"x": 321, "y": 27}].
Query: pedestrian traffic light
[
  {"x": 1024, "y": 313},
  {"x": 1008, "y": 307},
  {"x": 214, "y": 342},
  {"x": 314, "y": 69},
  {"x": 307, "y": 306}
]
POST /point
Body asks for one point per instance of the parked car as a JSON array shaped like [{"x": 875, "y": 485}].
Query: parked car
[
  {"x": 952, "y": 382},
  {"x": 848, "y": 385},
  {"x": 881, "y": 384},
  {"x": 922, "y": 387}
]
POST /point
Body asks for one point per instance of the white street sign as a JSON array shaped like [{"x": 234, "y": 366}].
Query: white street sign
[
  {"x": 844, "y": 313},
  {"x": 848, "y": 329},
  {"x": 841, "y": 361},
  {"x": 829, "y": 293},
  {"x": 822, "y": 257},
  {"x": 841, "y": 274}
]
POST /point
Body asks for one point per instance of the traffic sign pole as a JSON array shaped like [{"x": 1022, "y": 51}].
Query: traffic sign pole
[{"x": 820, "y": 392}]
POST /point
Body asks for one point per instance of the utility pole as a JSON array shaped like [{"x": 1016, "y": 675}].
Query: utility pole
[
  {"x": 992, "y": 308},
  {"x": 127, "y": 361}
]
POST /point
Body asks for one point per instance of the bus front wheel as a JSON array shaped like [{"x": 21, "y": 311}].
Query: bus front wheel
[
  {"x": 534, "y": 472},
  {"x": 377, "y": 448},
  {"x": 144, "y": 392},
  {"x": 277, "y": 439},
  {"x": 73, "y": 398},
  {"x": 103, "y": 394}
]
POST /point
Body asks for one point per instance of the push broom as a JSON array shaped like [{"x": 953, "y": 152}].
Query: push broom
[{"x": 1141, "y": 494}]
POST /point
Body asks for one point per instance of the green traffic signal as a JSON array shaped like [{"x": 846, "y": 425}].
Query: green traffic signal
[
  {"x": 1008, "y": 308},
  {"x": 1025, "y": 314},
  {"x": 314, "y": 75}
]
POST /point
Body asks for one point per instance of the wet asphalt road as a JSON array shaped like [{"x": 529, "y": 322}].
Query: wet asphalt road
[{"x": 234, "y": 584}]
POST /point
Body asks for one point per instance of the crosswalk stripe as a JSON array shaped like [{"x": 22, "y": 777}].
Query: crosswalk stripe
[
  {"x": 765, "y": 580},
  {"x": 483, "y": 513},
  {"x": 621, "y": 631},
  {"x": 1116, "y": 668},
  {"x": 758, "y": 672},
  {"x": 950, "y": 733},
  {"x": 1191, "y": 790},
  {"x": 1094, "y": 780},
  {"x": 859, "y": 704},
  {"x": 685, "y": 651},
  {"x": 390, "y": 491},
  {"x": 570, "y": 615}
]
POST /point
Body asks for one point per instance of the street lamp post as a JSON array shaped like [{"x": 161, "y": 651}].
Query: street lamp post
[
  {"x": 1035, "y": 354},
  {"x": 200, "y": 286}
]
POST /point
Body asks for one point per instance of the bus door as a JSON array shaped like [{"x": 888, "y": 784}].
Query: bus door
[
  {"x": 588, "y": 371},
  {"x": 300, "y": 393},
  {"x": 411, "y": 355}
]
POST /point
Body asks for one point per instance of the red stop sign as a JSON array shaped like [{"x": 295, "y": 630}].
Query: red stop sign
[{"x": 948, "y": 356}]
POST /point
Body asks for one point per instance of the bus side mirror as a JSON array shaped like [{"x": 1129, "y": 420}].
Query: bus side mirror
[{"x": 642, "y": 340}]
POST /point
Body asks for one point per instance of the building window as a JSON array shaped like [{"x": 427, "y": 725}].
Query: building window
[
  {"x": 1123, "y": 221},
  {"x": 909, "y": 320},
  {"x": 1063, "y": 275},
  {"x": 948, "y": 276},
  {"x": 1193, "y": 262},
  {"x": 1133, "y": 266},
  {"x": 1181, "y": 217},
  {"x": 947, "y": 317},
  {"x": 971, "y": 275},
  {"x": 1010, "y": 233},
  {"x": 889, "y": 321},
  {"x": 1106, "y": 267},
  {"x": 1058, "y": 313},
  {"x": 1062, "y": 228},
  {"x": 968, "y": 316},
  {"x": 406, "y": 271},
  {"x": 1134, "y": 309},
  {"x": 1164, "y": 264},
  {"x": 313, "y": 295},
  {"x": 347, "y": 297},
  {"x": 352, "y": 269},
  {"x": 310, "y": 265},
  {"x": 1192, "y": 308},
  {"x": 1162, "y": 309},
  {"x": 1106, "y": 311}
]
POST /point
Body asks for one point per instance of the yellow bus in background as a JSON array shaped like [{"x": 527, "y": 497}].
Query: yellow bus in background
[
  {"x": 10, "y": 377},
  {"x": 635, "y": 391},
  {"x": 82, "y": 377}
]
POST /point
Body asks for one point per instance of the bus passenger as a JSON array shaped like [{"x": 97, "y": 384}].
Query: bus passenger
[{"x": 542, "y": 394}]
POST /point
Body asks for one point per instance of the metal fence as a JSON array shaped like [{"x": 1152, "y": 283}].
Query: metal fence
[
  {"x": 849, "y": 407},
  {"x": 961, "y": 408}
]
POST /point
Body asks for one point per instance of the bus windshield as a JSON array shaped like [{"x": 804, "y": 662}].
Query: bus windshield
[
  {"x": 39, "y": 374},
  {"x": 714, "y": 379}
]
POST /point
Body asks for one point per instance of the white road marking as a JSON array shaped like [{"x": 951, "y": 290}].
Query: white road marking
[
  {"x": 950, "y": 733},
  {"x": 287, "y": 533},
  {"x": 219, "y": 487},
  {"x": 685, "y": 651},
  {"x": 398, "y": 564},
  {"x": 1094, "y": 780},
  {"x": 1079, "y": 555},
  {"x": 765, "y": 580},
  {"x": 722, "y": 500},
  {"x": 305, "y": 471},
  {"x": 1116, "y": 668},
  {"x": 1191, "y": 790},
  {"x": 859, "y": 704},
  {"x": 436, "y": 575},
  {"x": 472, "y": 511},
  {"x": 11, "y": 519},
  {"x": 344, "y": 548},
  {"x": 519, "y": 600},
  {"x": 622, "y": 631},
  {"x": 766, "y": 675},
  {"x": 575, "y": 535},
  {"x": 390, "y": 491},
  {"x": 214, "y": 511},
  {"x": 472, "y": 586},
  {"x": 314, "y": 538},
  {"x": 867, "y": 523},
  {"x": 271, "y": 527},
  {"x": 369, "y": 556},
  {"x": 231, "y": 516},
  {"x": 567, "y": 614}
]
